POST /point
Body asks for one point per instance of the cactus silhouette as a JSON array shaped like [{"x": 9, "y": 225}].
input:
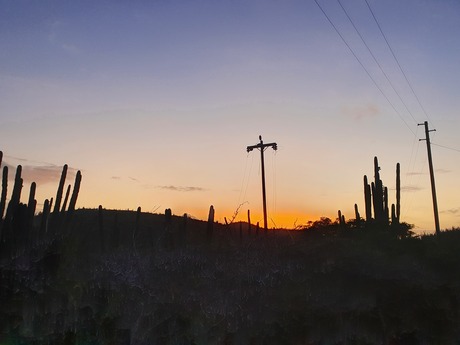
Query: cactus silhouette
[
  {"x": 66, "y": 198},
  {"x": 57, "y": 203},
  {"x": 367, "y": 200},
  {"x": 31, "y": 205},
  {"x": 13, "y": 204},
  {"x": 210, "y": 225},
  {"x": 357, "y": 215},
  {"x": 4, "y": 191},
  {"x": 76, "y": 189},
  {"x": 398, "y": 193},
  {"x": 44, "y": 220},
  {"x": 341, "y": 218}
]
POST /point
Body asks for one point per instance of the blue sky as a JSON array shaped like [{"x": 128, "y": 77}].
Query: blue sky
[{"x": 156, "y": 101}]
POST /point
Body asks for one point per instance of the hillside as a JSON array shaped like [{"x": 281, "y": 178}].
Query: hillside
[{"x": 122, "y": 277}]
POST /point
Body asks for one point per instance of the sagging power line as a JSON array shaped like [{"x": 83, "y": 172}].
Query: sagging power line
[{"x": 364, "y": 68}]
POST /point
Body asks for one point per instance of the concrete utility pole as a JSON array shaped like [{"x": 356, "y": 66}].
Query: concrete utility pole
[
  {"x": 261, "y": 146},
  {"x": 433, "y": 187}
]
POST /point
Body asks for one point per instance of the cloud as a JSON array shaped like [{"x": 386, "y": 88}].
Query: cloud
[
  {"x": 116, "y": 178},
  {"x": 360, "y": 112},
  {"x": 452, "y": 211},
  {"x": 40, "y": 174},
  {"x": 133, "y": 179},
  {"x": 415, "y": 174},
  {"x": 411, "y": 188},
  {"x": 442, "y": 171},
  {"x": 182, "y": 189}
]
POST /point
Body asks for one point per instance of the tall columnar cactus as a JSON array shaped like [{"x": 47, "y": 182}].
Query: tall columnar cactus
[
  {"x": 367, "y": 200},
  {"x": 44, "y": 220},
  {"x": 394, "y": 218},
  {"x": 210, "y": 226},
  {"x": 31, "y": 205},
  {"x": 138, "y": 219},
  {"x": 379, "y": 210},
  {"x": 66, "y": 198},
  {"x": 376, "y": 195},
  {"x": 385, "y": 206},
  {"x": 341, "y": 218},
  {"x": 357, "y": 215},
  {"x": 76, "y": 189},
  {"x": 15, "y": 197},
  {"x": 4, "y": 191},
  {"x": 57, "y": 203},
  {"x": 398, "y": 193}
]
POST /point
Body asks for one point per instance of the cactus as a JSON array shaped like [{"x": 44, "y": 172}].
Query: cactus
[
  {"x": 385, "y": 206},
  {"x": 31, "y": 205},
  {"x": 341, "y": 218},
  {"x": 398, "y": 193},
  {"x": 60, "y": 190},
  {"x": 394, "y": 219},
  {"x": 66, "y": 199},
  {"x": 367, "y": 200},
  {"x": 357, "y": 215},
  {"x": 44, "y": 221},
  {"x": 210, "y": 225},
  {"x": 377, "y": 192},
  {"x": 73, "y": 199},
  {"x": 13, "y": 204},
  {"x": 138, "y": 219},
  {"x": 4, "y": 191}
]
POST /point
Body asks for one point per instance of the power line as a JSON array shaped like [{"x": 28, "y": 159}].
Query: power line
[
  {"x": 376, "y": 61},
  {"x": 397, "y": 61},
  {"x": 445, "y": 147},
  {"x": 365, "y": 69}
]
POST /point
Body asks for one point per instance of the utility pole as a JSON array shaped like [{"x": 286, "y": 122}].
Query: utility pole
[
  {"x": 261, "y": 146},
  {"x": 433, "y": 187}
]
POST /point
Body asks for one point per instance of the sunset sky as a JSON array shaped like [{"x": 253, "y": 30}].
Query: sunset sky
[{"x": 156, "y": 101}]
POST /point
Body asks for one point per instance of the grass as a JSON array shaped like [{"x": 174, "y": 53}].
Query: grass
[{"x": 168, "y": 283}]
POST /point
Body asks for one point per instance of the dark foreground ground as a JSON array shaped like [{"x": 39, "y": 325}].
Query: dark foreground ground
[{"x": 120, "y": 279}]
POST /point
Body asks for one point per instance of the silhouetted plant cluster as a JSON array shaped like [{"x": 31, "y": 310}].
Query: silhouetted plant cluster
[
  {"x": 376, "y": 201},
  {"x": 20, "y": 230}
]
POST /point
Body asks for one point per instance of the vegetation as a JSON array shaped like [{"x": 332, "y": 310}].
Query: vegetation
[{"x": 130, "y": 277}]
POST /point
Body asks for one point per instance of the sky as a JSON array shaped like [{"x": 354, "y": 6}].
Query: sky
[{"x": 156, "y": 101}]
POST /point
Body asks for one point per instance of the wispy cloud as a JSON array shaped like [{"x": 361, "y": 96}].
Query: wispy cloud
[
  {"x": 453, "y": 211},
  {"x": 411, "y": 188},
  {"x": 360, "y": 112},
  {"x": 442, "y": 171},
  {"x": 415, "y": 173},
  {"x": 182, "y": 189},
  {"x": 133, "y": 179},
  {"x": 42, "y": 174},
  {"x": 116, "y": 178}
]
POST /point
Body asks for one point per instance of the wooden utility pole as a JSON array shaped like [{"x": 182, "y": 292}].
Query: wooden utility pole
[
  {"x": 433, "y": 187},
  {"x": 261, "y": 146}
]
